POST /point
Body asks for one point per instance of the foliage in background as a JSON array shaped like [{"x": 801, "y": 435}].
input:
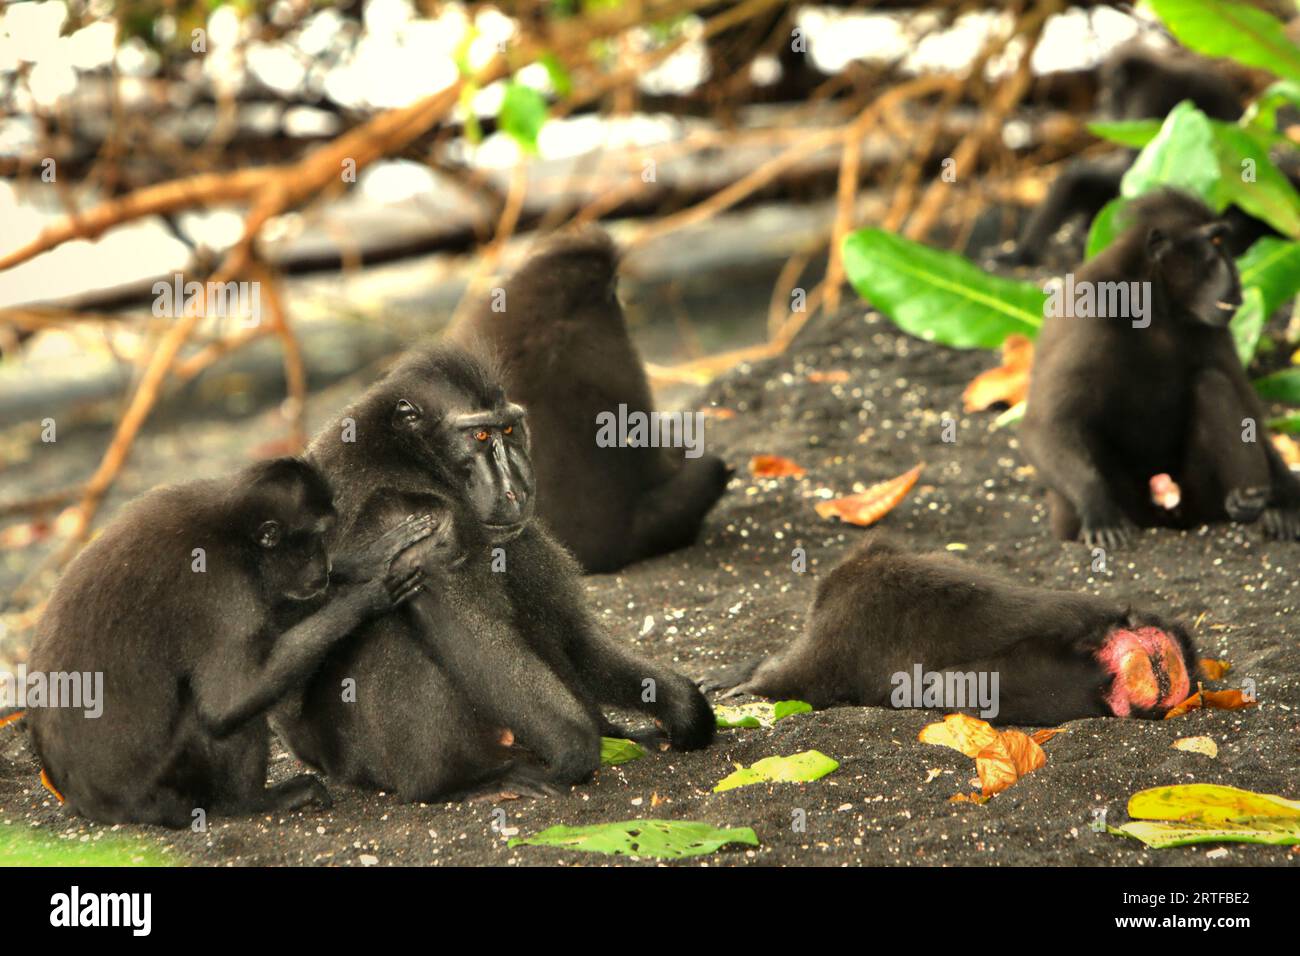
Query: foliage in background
[{"x": 941, "y": 297}]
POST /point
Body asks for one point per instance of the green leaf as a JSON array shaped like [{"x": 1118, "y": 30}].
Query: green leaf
[
  {"x": 617, "y": 750},
  {"x": 797, "y": 768},
  {"x": 522, "y": 114},
  {"x": 1235, "y": 30},
  {"x": 1181, "y": 155},
  {"x": 759, "y": 714},
  {"x": 1283, "y": 386},
  {"x": 24, "y": 846},
  {"x": 1273, "y": 266},
  {"x": 1132, "y": 133},
  {"x": 1290, "y": 424},
  {"x": 1271, "y": 197},
  {"x": 1105, "y": 227},
  {"x": 939, "y": 296},
  {"x": 661, "y": 839},
  {"x": 1261, "y": 115},
  {"x": 1160, "y": 835},
  {"x": 561, "y": 82},
  {"x": 1248, "y": 324}
]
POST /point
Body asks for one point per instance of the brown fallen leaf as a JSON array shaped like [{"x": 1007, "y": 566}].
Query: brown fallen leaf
[
  {"x": 1007, "y": 384},
  {"x": 836, "y": 376},
  {"x": 13, "y": 718},
  {"x": 968, "y": 735},
  {"x": 48, "y": 784},
  {"x": 968, "y": 798},
  {"x": 1006, "y": 760},
  {"x": 1212, "y": 700},
  {"x": 1213, "y": 669},
  {"x": 1041, "y": 737},
  {"x": 1165, "y": 492},
  {"x": 774, "y": 466},
  {"x": 874, "y": 503},
  {"x": 1289, "y": 449},
  {"x": 721, "y": 414}
]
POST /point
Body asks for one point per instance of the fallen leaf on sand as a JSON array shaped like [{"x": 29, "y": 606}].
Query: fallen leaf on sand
[
  {"x": 1008, "y": 383},
  {"x": 968, "y": 798},
  {"x": 1214, "y": 669},
  {"x": 48, "y": 784},
  {"x": 1041, "y": 737},
  {"x": 835, "y": 376},
  {"x": 1212, "y": 700},
  {"x": 874, "y": 503},
  {"x": 1197, "y": 745},
  {"x": 1006, "y": 760},
  {"x": 969, "y": 735},
  {"x": 12, "y": 718},
  {"x": 774, "y": 466}
]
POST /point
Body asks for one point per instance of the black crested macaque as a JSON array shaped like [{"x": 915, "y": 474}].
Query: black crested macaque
[
  {"x": 1117, "y": 400},
  {"x": 565, "y": 354},
  {"x": 889, "y": 628},
  {"x": 493, "y": 678},
  {"x": 182, "y": 605},
  {"x": 1136, "y": 82}
]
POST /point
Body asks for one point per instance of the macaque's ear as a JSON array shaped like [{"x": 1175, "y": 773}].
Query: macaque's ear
[{"x": 1157, "y": 244}]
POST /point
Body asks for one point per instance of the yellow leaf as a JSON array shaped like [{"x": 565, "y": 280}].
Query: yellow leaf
[
  {"x": 969, "y": 735},
  {"x": 1197, "y": 745},
  {"x": 1208, "y": 803}
]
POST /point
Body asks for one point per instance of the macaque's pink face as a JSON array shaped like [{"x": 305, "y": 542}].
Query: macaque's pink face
[{"x": 1147, "y": 668}]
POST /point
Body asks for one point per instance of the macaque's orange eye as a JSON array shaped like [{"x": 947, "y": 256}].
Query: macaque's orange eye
[
  {"x": 508, "y": 429},
  {"x": 481, "y": 434}
]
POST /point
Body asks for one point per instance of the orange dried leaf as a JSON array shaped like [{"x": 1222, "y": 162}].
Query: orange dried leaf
[
  {"x": 874, "y": 503},
  {"x": 968, "y": 798},
  {"x": 48, "y": 784},
  {"x": 1006, "y": 760},
  {"x": 721, "y": 414},
  {"x": 1214, "y": 669},
  {"x": 774, "y": 466},
  {"x": 1041, "y": 737},
  {"x": 1008, "y": 383},
  {"x": 1212, "y": 700},
  {"x": 969, "y": 735},
  {"x": 12, "y": 718},
  {"x": 834, "y": 376}
]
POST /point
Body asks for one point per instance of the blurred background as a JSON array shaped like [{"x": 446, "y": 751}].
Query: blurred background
[{"x": 370, "y": 167}]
